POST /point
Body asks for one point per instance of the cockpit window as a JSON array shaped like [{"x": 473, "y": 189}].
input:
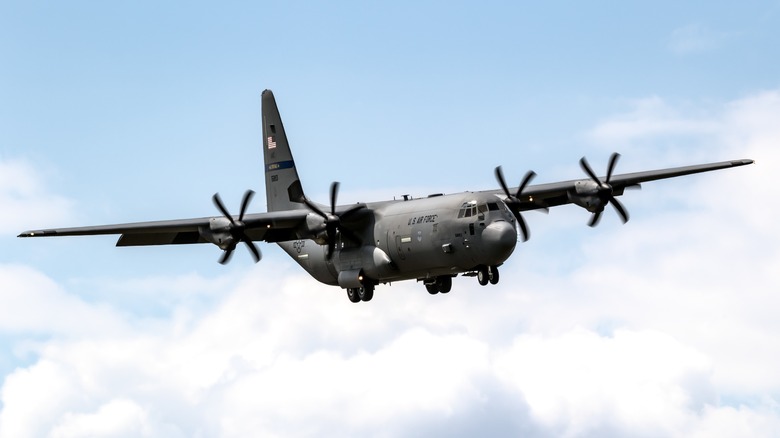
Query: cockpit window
[
  {"x": 492, "y": 206},
  {"x": 468, "y": 209}
]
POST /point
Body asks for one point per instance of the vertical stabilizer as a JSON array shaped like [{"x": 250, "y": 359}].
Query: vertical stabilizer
[{"x": 283, "y": 188}]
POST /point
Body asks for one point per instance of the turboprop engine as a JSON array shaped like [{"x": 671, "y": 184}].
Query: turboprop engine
[{"x": 594, "y": 194}]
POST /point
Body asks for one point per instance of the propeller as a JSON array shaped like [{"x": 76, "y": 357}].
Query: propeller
[
  {"x": 333, "y": 225},
  {"x": 237, "y": 227},
  {"x": 514, "y": 200},
  {"x": 604, "y": 191}
]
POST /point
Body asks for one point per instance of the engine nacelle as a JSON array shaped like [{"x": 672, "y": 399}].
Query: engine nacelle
[
  {"x": 586, "y": 195},
  {"x": 315, "y": 225},
  {"x": 218, "y": 233},
  {"x": 592, "y": 203},
  {"x": 586, "y": 187}
]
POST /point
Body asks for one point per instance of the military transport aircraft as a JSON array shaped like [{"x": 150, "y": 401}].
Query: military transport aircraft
[{"x": 359, "y": 246}]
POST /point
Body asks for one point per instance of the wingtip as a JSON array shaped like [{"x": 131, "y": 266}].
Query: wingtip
[
  {"x": 742, "y": 162},
  {"x": 37, "y": 233}
]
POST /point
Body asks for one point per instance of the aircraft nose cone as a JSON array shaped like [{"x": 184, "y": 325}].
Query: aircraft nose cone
[{"x": 500, "y": 239}]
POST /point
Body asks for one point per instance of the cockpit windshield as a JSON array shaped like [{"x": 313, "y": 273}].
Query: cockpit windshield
[
  {"x": 468, "y": 209},
  {"x": 474, "y": 208}
]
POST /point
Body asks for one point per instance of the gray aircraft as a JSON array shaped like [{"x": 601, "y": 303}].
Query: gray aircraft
[{"x": 360, "y": 246}]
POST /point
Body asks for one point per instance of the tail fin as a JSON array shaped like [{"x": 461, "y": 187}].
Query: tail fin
[{"x": 283, "y": 188}]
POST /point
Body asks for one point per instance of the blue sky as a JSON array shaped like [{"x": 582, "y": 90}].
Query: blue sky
[{"x": 128, "y": 112}]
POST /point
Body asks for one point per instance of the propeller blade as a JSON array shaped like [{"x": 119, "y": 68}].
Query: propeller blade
[
  {"x": 523, "y": 227},
  {"x": 314, "y": 208},
  {"x": 620, "y": 209},
  {"x": 226, "y": 256},
  {"x": 252, "y": 248},
  {"x": 334, "y": 194},
  {"x": 245, "y": 203},
  {"x": 502, "y": 182},
  {"x": 515, "y": 199},
  {"x": 221, "y": 207},
  {"x": 351, "y": 211},
  {"x": 613, "y": 159},
  {"x": 526, "y": 179},
  {"x": 594, "y": 220},
  {"x": 586, "y": 167},
  {"x": 331, "y": 246}
]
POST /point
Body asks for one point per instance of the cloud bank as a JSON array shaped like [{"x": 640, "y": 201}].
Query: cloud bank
[{"x": 665, "y": 326}]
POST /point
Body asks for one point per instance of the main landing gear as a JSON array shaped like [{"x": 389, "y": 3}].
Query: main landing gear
[
  {"x": 358, "y": 294},
  {"x": 442, "y": 283},
  {"x": 487, "y": 274}
]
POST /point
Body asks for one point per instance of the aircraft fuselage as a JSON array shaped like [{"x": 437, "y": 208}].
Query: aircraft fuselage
[{"x": 415, "y": 239}]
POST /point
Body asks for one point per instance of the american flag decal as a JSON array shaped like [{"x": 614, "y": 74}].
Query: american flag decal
[{"x": 271, "y": 143}]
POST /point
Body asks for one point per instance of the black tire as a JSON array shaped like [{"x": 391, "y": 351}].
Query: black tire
[
  {"x": 353, "y": 295},
  {"x": 445, "y": 284},
  {"x": 493, "y": 275},
  {"x": 483, "y": 275},
  {"x": 432, "y": 288},
  {"x": 366, "y": 293}
]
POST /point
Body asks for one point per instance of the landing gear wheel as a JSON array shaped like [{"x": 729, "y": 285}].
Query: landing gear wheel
[
  {"x": 353, "y": 295},
  {"x": 493, "y": 275},
  {"x": 366, "y": 293},
  {"x": 483, "y": 275},
  {"x": 444, "y": 283},
  {"x": 432, "y": 288}
]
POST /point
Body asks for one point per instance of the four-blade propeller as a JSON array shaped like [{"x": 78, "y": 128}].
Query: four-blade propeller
[
  {"x": 604, "y": 191},
  {"x": 237, "y": 228},
  {"x": 333, "y": 222},
  {"x": 513, "y": 201}
]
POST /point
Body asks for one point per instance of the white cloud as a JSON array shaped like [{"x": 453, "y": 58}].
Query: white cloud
[
  {"x": 664, "y": 326},
  {"x": 120, "y": 417},
  {"x": 25, "y": 202},
  {"x": 580, "y": 383},
  {"x": 32, "y": 303}
]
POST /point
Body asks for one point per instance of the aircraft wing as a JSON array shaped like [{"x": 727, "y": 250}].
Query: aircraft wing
[
  {"x": 549, "y": 195},
  {"x": 270, "y": 227}
]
